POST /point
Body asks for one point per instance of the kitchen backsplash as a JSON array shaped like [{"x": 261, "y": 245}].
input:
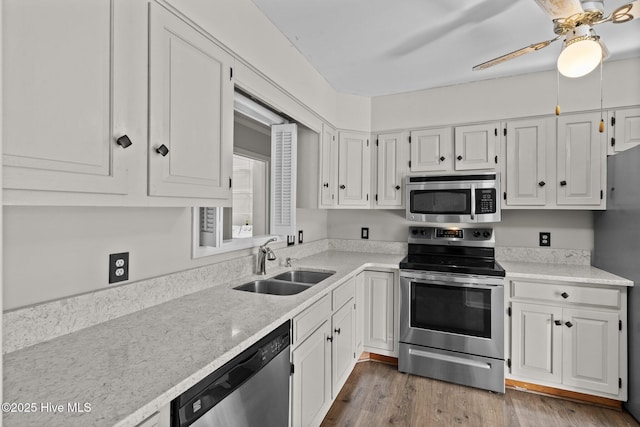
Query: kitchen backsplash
[
  {"x": 27, "y": 326},
  {"x": 544, "y": 255}
]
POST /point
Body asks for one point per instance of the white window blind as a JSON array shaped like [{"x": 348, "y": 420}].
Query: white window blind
[
  {"x": 284, "y": 140},
  {"x": 210, "y": 227}
]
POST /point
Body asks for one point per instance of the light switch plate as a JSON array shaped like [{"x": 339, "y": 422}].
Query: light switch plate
[{"x": 364, "y": 233}]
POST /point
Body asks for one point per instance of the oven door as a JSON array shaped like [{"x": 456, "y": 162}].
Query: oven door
[{"x": 456, "y": 312}]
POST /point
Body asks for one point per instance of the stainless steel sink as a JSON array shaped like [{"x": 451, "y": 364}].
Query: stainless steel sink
[
  {"x": 304, "y": 276},
  {"x": 288, "y": 283},
  {"x": 273, "y": 287}
]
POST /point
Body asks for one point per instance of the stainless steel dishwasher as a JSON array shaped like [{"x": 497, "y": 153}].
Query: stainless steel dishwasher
[{"x": 250, "y": 390}]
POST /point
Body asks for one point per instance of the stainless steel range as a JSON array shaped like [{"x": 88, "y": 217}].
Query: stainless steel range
[{"x": 452, "y": 307}]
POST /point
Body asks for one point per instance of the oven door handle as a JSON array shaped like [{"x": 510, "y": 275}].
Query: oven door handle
[
  {"x": 473, "y": 201},
  {"x": 455, "y": 284}
]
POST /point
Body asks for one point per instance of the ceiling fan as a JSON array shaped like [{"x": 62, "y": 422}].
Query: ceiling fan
[{"x": 574, "y": 20}]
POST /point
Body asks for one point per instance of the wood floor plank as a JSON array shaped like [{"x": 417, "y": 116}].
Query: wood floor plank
[{"x": 376, "y": 394}]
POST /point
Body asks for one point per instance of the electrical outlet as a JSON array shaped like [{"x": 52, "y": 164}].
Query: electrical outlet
[
  {"x": 118, "y": 267},
  {"x": 545, "y": 238},
  {"x": 364, "y": 233},
  {"x": 291, "y": 240},
  {"x": 300, "y": 239}
]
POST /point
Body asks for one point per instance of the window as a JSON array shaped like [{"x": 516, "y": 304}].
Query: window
[{"x": 263, "y": 185}]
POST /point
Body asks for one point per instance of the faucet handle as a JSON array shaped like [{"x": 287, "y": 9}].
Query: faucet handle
[{"x": 270, "y": 255}]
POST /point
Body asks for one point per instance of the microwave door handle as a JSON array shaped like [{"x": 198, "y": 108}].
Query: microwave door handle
[{"x": 473, "y": 201}]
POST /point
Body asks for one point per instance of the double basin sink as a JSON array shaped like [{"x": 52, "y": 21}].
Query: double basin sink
[{"x": 288, "y": 283}]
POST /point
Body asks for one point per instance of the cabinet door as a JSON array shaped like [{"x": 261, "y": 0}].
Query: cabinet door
[
  {"x": 475, "y": 146},
  {"x": 526, "y": 161},
  {"x": 626, "y": 130},
  {"x": 581, "y": 157},
  {"x": 536, "y": 342},
  {"x": 311, "y": 382},
  {"x": 391, "y": 170},
  {"x": 343, "y": 346},
  {"x": 431, "y": 150},
  {"x": 58, "y": 66},
  {"x": 190, "y": 111},
  {"x": 328, "y": 166},
  {"x": 591, "y": 350},
  {"x": 379, "y": 310},
  {"x": 354, "y": 169}
]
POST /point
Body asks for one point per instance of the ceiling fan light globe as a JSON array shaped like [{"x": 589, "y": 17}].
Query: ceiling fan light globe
[{"x": 580, "y": 58}]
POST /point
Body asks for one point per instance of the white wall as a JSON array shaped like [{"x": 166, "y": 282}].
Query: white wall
[
  {"x": 55, "y": 252},
  {"x": 240, "y": 26},
  {"x": 511, "y": 97},
  {"x": 569, "y": 229}
]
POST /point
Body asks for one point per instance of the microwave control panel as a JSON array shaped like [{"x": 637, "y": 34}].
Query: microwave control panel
[{"x": 485, "y": 200}]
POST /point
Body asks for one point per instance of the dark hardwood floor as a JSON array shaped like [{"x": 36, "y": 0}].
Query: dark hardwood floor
[{"x": 376, "y": 394}]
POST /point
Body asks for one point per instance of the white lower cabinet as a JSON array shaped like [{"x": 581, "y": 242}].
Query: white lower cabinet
[
  {"x": 324, "y": 359},
  {"x": 343, "y": 355},
  {"x": 311, "y": 380},
  {"x": 570, "y": 336},
  {"x": 380, "y": 312}
]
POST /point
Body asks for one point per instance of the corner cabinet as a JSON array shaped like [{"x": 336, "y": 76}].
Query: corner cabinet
[
  {"x": 68, "y": 99},
  {"x": 190, "y": 111},
  {"x": 570, "y": 336},
  {"x": 328, "y": 167},
  {"x": 381, "y": 312}
]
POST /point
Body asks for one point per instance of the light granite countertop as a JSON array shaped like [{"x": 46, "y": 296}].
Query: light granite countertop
[
  {"x": 580, "y": 274},
  {"x": 129, "y": 367}
]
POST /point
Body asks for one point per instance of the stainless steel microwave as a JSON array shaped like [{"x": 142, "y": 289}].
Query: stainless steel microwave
[{"x": 460, "y": 198}]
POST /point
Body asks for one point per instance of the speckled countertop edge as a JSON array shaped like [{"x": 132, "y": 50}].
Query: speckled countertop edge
[{"x": 579, "y": 274}]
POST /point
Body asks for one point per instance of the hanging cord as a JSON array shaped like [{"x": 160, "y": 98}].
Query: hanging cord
[
  {"x": 557, "y": 92},
  {"x": 601, "y": 126}
]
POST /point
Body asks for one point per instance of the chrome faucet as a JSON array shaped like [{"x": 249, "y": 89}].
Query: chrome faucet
[{"x": 265, "y": 254}]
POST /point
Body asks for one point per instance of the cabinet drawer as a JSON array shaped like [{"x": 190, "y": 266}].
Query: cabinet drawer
[
  {"x": 559, "y": 292},
  {"x": 311, "y": 318},
  {"x": 344, "y": 293}
]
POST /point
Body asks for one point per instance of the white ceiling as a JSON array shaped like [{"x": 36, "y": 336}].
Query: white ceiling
[{"x": 379, "y": 47}]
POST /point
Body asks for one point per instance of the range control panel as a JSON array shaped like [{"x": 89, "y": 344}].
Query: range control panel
[{"x": 451, "y": 235}]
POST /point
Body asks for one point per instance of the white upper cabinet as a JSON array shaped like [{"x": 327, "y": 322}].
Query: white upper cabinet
[
  {"x": 624, "y": 131},
  {"x": 475, "y": 146},
  {"x": 354, "y": 169},
  {"x": 581, "y": 156},
  {"x": 190, "y": 111},
  {"x": 391, "y": 151},
  {"x": 528, "y": 174},
  {"x": 431, "y": 150},
  {"x": 64, "y": 106},
  {"x": 328, "y": 167}
]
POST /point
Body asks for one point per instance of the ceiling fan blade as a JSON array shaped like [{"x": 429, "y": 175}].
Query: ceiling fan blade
[
  {"x": 515, "y": 54},
  {"x": 557, "y": 9},
  {"x": 624, "y": 13}
]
